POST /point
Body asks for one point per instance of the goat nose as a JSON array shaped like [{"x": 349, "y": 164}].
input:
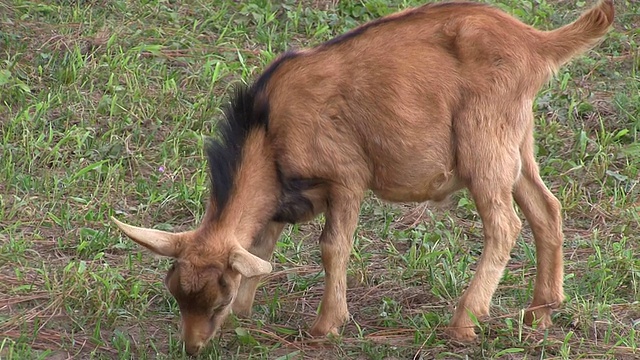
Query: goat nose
[{"x": 193, "y": 349}]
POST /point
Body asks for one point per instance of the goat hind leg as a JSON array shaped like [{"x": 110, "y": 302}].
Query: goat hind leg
[
  {"x": 262, "y": 247},
  {"x": 491, "y": 188},
  {"x": 335, "y": 246},
  {"x": 542, "y": 211},
  {"x": 501, "y": 226}
]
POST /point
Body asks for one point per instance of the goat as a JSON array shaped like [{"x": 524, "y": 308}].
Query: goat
[{"x": 413, "y": 106}]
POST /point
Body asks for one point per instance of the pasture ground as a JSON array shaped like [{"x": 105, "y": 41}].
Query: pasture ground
[{"x": 103, "y": 109}]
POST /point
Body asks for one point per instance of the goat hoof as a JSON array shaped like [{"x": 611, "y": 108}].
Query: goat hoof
[
  {"x": 320, "y": 329},
  {"x": 462, "y": 334},
  {"x": 540, "y": 318}
]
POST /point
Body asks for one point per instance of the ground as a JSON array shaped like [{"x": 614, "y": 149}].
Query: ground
[{"x": 104, "y": 106}]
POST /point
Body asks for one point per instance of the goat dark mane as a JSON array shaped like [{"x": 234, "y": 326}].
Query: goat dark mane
[
  {"x": 225, "y": 153},
  {"x": 248, "y": 110}
]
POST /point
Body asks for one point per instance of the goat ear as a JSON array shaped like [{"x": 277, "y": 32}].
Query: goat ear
[
  {"x": 248, "y": 264},
  {"x": 160, "y": 242}
]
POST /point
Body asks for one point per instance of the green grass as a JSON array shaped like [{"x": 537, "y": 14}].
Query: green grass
[{"x": 103, "y": 110}]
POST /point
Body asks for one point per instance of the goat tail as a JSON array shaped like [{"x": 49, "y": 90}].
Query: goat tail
[{"x": 562, "y": 44}]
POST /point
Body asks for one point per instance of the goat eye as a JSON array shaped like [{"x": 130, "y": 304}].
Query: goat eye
[
  {"x": 220, "y": 306},
  {"x": 222, "y": 282},
  {"x": 215, "y": 310}
]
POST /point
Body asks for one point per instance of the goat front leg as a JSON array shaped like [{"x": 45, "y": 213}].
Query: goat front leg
[
  {"x": 335, "y": 246},
  {"x": 542, "y": 211},
  {"x": 262, "y": 246}
]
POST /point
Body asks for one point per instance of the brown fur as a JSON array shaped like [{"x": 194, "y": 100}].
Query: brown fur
[{"x": 414, "y": 107}]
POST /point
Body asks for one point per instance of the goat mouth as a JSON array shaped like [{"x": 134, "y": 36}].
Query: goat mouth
[
  {"x": 194, "y": 344},
  {"x": 193, "y": 350}
]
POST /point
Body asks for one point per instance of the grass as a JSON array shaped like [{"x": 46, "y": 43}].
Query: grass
[{"x": 103, "y": 110}]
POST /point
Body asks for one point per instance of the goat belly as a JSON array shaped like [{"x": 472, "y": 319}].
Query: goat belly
[{"x": 436, "y": 189}]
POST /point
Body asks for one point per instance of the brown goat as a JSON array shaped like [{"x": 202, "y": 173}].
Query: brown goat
[{"x": 413, "y": 106}]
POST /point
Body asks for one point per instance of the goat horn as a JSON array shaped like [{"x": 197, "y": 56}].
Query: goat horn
[{"x": 160, "y": 242}]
